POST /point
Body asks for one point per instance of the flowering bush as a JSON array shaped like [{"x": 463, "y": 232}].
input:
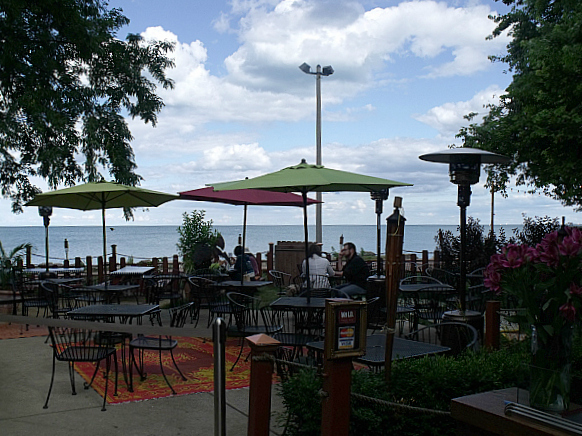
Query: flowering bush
[{"x": 545, "y": 280}]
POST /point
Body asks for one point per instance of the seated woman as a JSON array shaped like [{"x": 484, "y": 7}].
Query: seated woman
[
  {"x": 319, "y": 268},
  {"x": 242, "y": 265}
]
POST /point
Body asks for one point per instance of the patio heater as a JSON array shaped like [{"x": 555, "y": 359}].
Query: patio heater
[
  {"x": 45, "y": 212},
  {"x": 326, "y": 71},
  {"x": 379, "y": 197},
  {"x": 464, "y": 168}
]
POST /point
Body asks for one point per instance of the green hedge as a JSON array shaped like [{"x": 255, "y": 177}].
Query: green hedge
[{"x": 429, "y": 383}]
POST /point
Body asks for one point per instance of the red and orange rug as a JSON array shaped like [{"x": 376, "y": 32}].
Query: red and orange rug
[
  {"x": 195, "y": 360},
  {"x": 15, "y": 331}
]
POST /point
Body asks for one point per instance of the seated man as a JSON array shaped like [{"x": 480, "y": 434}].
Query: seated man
[
  {"x": 355, "y": 271},
  {"x": 242, "y": 265}
]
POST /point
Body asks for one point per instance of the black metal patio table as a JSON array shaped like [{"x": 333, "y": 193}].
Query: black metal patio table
[
  {"x": 244, "y": 287},
  {"x": 125, "y": 312},
  {"x": 298, "y": 303},
  {"x": 375, "y": 356},
  {"x": 108, "y": 291}
]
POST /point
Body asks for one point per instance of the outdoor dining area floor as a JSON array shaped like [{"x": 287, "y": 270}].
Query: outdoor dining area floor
[{"x": 25, "y": 371}]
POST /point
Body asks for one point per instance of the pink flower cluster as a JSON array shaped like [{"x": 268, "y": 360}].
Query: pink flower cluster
[{"x": 555, "y": 253}]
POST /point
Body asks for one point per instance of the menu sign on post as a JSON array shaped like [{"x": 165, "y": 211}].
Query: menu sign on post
[{"x": 345, "y": 328}]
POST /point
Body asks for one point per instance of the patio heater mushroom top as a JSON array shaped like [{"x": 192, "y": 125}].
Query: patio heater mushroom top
[{"x": 464, "y": 170}]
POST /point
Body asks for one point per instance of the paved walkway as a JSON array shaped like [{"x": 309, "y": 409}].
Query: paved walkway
[{"x": 25, "y": 369}]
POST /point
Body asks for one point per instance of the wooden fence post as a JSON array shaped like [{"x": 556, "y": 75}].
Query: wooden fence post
[
  {"x": 424, "y": 261},
  {"x": 77, "y": 262},
  {"x": 100, "y": 270},
  {"x": 261, "y": 380},
  {"x": 164, "y": 265},
  {"x": 175, "y": 264},
  {"x": 335, "y": 407},
  {"x": 259, "y": 258},
  {"x": 28, "y": 257},
  {"x": 89, "y": 261},
  {"x": 270, "y": 256}
]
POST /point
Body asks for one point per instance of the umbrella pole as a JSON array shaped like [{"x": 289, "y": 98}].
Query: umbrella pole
[
  {"x": 244, "y": 241},
  {"x": 104, "y": 241},
  {"x": 308, "y": 293}
]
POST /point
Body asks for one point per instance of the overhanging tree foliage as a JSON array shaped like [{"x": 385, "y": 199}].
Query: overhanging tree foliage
[
  {"x": 538, "y": 122},
  {"x": 65, "y": 83}
]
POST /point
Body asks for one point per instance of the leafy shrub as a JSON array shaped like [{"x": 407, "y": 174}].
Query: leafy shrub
[
  {"x": 428, "y": 383},
  {"x": 479, "y": 248},
  {"x": 534, "y": 230},
  {"x": 197, "y": 241}
]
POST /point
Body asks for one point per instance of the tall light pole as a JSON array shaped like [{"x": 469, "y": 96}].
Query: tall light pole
[{"x": 326, "y": 71}]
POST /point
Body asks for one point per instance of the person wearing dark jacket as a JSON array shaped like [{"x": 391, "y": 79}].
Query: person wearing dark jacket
[{"x": 355, "y": 271}]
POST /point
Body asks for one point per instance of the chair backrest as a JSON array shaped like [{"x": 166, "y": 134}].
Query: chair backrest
[
  {"x": 202, "y": 289},
  {"x": 457, "y": 336},
  {"x": 246, "y": 309},
  {"x": 49, "y": 292},
  {"x": 375, "y": 319},
  {"x": 179, "y": 315},
  {"x": 338, "y": 293},
  {"x": 280, "y": 279},
  {"x": 75, "y": 344},
  {"x": 432, "y": 302},
  {"x": 443, "y": 276},
  {"x": 318, "y": 293},
  {"x": 418, "y": 279}
]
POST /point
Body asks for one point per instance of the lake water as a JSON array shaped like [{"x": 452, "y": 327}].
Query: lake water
[{"x": 159, "y": 241}]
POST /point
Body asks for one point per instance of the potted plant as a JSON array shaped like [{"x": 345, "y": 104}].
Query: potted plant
[
  {"x": 8, "y": 260},
  {"x": 546, "y": 283}
]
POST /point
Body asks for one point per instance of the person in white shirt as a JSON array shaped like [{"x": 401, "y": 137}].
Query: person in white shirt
[{"x": 319, "y": 268}]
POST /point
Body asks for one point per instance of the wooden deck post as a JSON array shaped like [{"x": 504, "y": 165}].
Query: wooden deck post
[
  {"x": 89, "y": 261},
  {"x": 28, "y": 257},
  {"x": 270, "y": 256},
  {"x": 335, "y": 407},
  {"x": 175, "y": 264},
  {"x": 424, "y": 265},
  {"x": 394, "y": 243},
  {"x": 492, "y": 320},
  {"x": 164, "y": 265},
  {"x": 259, "y": 259},
  {"x": 100, "y": 269},
  {"x": 261, "y": 381}
]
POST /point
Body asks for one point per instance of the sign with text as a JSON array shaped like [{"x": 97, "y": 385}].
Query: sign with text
[{"x": 345, "y": 330}]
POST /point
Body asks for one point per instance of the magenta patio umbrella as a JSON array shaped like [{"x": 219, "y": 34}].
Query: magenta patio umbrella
[{"x": 246, "y": 197}]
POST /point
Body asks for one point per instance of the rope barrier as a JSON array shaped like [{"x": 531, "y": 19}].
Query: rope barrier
[
  {"x": 406, "y": 407},
  {"x": 377, "y": 401}
]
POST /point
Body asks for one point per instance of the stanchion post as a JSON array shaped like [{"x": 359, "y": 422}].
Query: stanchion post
[
  {"x": 261, "y": 381},
  {"x": 492, "y": 320},
  {"x": 219, "y": 339}
]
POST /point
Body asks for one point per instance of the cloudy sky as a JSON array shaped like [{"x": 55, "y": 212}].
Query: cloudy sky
[{"x": 405, "y": 75}]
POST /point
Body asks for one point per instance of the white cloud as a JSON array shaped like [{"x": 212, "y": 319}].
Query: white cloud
[{"x": 448, "y": 118}]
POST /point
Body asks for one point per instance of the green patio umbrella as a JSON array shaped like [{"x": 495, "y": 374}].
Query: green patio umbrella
[
  {"x": 304, "y": 178},
  {"x": 101, "y": 195}
]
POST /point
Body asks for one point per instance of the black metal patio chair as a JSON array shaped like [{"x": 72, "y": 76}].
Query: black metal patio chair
[{"x": 73, "y": 345}]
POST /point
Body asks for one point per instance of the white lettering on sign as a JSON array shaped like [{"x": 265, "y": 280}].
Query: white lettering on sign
[{"x": 347, "y": 314}]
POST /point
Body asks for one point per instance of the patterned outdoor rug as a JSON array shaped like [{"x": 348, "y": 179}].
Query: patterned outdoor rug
[
  {"x": 195, "y": 360},
  {"x": 14, "y": 331}
]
